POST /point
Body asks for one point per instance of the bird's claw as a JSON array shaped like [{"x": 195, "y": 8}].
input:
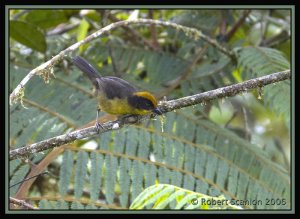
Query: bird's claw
[{"x": 98, "y": 126}]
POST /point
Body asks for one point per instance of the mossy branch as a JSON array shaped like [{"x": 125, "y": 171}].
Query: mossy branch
[
  {"x": 165, "y": 106},
  {"x": 46, "y": 68}
]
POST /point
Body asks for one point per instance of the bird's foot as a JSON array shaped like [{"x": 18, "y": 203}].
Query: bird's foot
[{"x": 98, "y": 126}]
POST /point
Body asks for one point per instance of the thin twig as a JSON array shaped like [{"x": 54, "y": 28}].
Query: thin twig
[
  {"x": 264, "y": 27},
  {"x": 19, "y": 14},
  {"x": 238, "y": 24},
  {"x": 61, "y": 29},
  {"x": 165, "y": 106},
  {"x": 21, "y": 203},
  {"x": 276, "y": 40},
  {"x": 153, "y": 33},
  {"x": 134, "y": 35},
  {"x": 177, "y": 81},
  {"x": 28, "y": 178},
  {"x": 38, "y": 169},
  {"x": 47, "y": 67}
]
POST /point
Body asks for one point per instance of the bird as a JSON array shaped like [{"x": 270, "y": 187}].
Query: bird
[{"x": 116, "y": 96}]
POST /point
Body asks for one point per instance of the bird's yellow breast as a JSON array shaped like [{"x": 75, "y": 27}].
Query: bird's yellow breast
[{"x": 118, "y": 106}]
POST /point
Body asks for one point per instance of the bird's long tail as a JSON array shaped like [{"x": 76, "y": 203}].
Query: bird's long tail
[{"x": 88, "y": 69}]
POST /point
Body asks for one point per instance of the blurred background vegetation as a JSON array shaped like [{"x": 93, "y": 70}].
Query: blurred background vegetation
[{"x": 238, "y": 147}]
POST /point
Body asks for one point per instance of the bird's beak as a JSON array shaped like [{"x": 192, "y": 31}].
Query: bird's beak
[{"x": 157, "y": 111}]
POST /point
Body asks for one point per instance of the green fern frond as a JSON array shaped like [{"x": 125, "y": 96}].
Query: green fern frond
[
  {"x": 259, "y": 61},
  {"x": 160, "y": 196}
]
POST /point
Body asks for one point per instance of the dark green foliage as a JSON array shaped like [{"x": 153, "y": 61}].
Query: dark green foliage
[{"x": 187, "y": 149}]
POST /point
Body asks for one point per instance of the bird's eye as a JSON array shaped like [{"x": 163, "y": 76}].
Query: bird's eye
[{"x": 148, "y": 105}]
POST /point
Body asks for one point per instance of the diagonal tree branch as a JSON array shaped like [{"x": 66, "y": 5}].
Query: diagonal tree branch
[
  {"x": 46, "y": 68},
  {"x": 21, "y": 203},
  {"x": 165, "y": 106}
]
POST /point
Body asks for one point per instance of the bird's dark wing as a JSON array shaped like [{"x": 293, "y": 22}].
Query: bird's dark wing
[
  {"x": 116, "y": 87},
  {"x": 111, "y": 86}
]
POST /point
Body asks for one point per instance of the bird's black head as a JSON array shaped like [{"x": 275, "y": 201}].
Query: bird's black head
[{"x": 144, "y": 101}]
